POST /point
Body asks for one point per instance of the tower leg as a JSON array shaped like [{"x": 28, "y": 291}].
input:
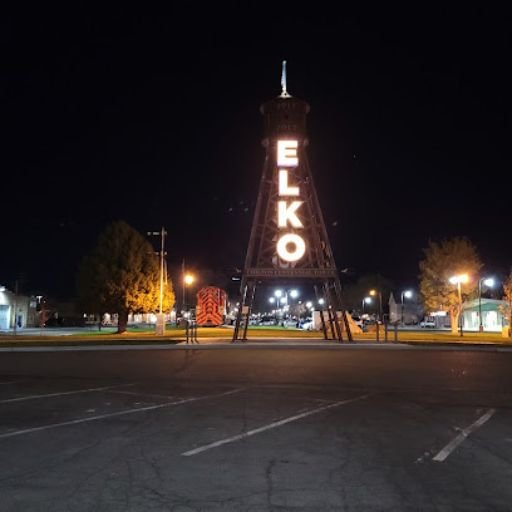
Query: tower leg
[
  {"x": 251, "y": 290},
  {"x": 338, "y": 292},
  {"x": 238, "y": 320},
  {"x": 331, "y": 292}
]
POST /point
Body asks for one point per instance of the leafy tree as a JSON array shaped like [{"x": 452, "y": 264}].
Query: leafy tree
[
  {"x": 354, "y": 293},
  {"x": 442, "y": 261},
  {"x": 122, "y": 275},
  {"x": 507, "y": 289}
]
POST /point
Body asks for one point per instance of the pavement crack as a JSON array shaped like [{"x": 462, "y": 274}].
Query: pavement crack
[{"x": 270, "y": 485}]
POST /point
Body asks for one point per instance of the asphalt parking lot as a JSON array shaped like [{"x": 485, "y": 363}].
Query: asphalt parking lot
[{"x": 119, "y": 444}]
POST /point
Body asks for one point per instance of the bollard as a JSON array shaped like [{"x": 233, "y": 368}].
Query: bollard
[{"x": 195, "y": 332}]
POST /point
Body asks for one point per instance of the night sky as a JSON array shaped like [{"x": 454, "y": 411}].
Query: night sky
[{"x": 154, "y": 119}]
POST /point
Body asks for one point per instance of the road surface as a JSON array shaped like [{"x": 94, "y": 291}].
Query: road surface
[{"x": 262, "y": 428}]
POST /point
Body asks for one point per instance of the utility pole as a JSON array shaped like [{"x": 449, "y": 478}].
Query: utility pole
[
  {"x": 160, "y": 321},
  {"x": 162, "y": 270},
  {"x": 15, "y": 306},
  {"x": 183, "y": 285}
]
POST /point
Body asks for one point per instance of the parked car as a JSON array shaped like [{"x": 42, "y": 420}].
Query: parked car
[
  {"x": 427, "y": 324},
  {"x": 307, "y": 324}
]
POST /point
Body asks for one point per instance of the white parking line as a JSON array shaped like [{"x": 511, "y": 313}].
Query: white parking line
[
  {"x": 63, "y": 393},
  {"x": 114, "y": 414},
  {"x": 135, "y": 393},
  {"x": 443, "y": 454},
  {"x": 275, "y": 424},
  {"x": 12, "y": 382}
]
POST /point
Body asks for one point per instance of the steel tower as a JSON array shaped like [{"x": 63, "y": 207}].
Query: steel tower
[{"x": 288, "y": 239}]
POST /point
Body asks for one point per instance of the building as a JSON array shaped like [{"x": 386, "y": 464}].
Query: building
[
  {"x": 494, "y": 314},
  {"x": 19, "y": 309},
  {"x": 408, "y": 312}
]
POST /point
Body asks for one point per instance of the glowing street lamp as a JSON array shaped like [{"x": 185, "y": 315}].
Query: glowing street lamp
[
  {"x": 489, "y": 282},
  {"x": 366, "y": 300},
  {"x": 188, "y": 280},
  {"x": 271, "y": 300},
  {"x": 294, "y": 294},
  {"x": 407, "y": 294},
  {"x": 374, "y": 293},
  {"x": 321, "y": 301},
  {"x": 458, "y": 280}
]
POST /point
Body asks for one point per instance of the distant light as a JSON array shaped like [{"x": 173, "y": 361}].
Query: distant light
[
  {"x": 408, "y": 294},
  {"x": 309, "y": 304},
  {"x": 278, "y": 293},
  {"x": 282, "y": 300},
  {"x": 271, "y": 300},
  {"x": 461, "y": 278},
  {"x": 321, "y": 301},
  {"x": 294, "y": 294},
  {"x": 189, "y": 279},
  {"x": 2, "y": 288},
  {"x": 373, "y": 292},
  {"x": 489, "y": 282},
  {"x": 368, "y": 300}
]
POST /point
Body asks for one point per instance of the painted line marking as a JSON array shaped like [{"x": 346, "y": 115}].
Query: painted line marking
[
  {"x": 114, "y": 414},
  {"x": 12, "y": 382},
  {"x": 135, "y": 393},
  {"x": 63, "y": 393},
  {"x": 445, "y": 452},
  {"x": 275, "y": 424}
]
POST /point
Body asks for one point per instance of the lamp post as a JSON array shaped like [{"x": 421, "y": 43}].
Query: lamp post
[
  {"x": 187, "y": 280},
  {"x": 407, "y": 294},
  {"x": 374, "y": 293},
  {"x": 366, "y": 300},
  {"x": 489, "y": 282},
  {"x": 160, "y": 323},
  {"x": 458, "y": 280},
  {"x": 282, "y": 296}
]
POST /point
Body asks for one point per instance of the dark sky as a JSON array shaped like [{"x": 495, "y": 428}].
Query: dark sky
[{"x": 154, "y": 119}]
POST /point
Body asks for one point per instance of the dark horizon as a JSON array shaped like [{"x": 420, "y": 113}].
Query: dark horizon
[{"x": 155, "y": 120}]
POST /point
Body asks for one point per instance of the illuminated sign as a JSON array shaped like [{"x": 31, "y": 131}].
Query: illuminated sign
[{"x": 290, "y": 246}]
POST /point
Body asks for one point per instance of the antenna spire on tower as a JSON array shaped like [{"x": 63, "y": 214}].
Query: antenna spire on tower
[{"x": 284, "y": 92}]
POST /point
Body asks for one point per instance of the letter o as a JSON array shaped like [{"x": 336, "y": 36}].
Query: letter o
[{"x": 297, "y": 241}]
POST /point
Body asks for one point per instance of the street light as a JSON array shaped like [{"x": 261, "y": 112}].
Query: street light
[
  {"x": 458, "y": 280},
  {"x": 407, "y": 294},
  {"x": 366, "y": 300},
  {"x": 489, "y": 282},
  {"x": 271, "y": 300},
  {"x": 188, "y": 279},
  {"x": 374, "y": 293},
  {"x": 160, "y": 324},
  {"x": 282, "y": 295}
]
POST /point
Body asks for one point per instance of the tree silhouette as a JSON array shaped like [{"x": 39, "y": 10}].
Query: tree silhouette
[
  {"x": 443, "y": 260},
  {"x": 122, "y": 275}
]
